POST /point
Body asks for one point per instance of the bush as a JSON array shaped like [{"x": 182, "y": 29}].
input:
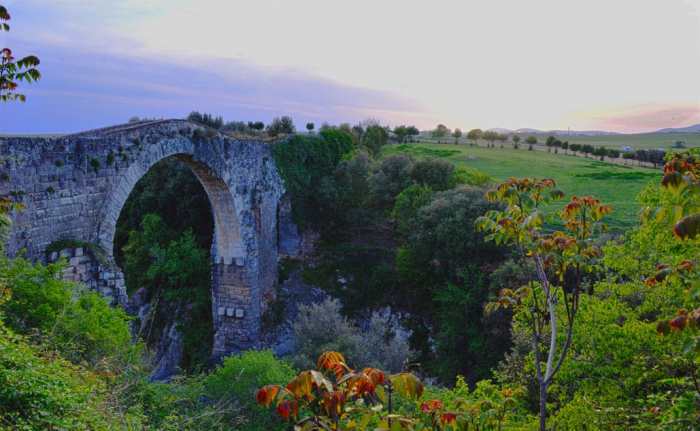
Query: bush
[
  {"x": 308, "y": 165},
  {"x": 281, "y": 126},
  {"x": 38, "y": 392},
  {"x": 434, "y": 173},
  {"x": 90, "y": 330},
  {"x": 392, "y": 177},
  {"x": 39, "y": 296},
  {"x": 239, "y": 377},
  {"x": 471, "y": 177},
  {"x": 322, "y": 327},
  {"x": 408, "y": 202}
]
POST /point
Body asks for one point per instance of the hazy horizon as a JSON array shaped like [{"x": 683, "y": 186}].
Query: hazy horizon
[{"x": 629, "y": 66}]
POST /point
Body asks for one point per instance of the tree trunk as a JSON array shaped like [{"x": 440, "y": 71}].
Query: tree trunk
[{"x": 543, "y": 406}]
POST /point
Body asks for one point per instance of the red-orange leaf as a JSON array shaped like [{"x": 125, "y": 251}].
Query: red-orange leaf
[{"x": 267, "y": 394}]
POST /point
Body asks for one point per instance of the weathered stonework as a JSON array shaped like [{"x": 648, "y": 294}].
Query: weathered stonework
[
  {"x": 74, "y": 187},
  {"x": 84, "y": 267}
]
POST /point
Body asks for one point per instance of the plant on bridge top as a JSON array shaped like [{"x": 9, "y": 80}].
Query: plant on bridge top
[
  {"x": 12, "y": 71},
  {"x": 336, "y": 397},
  {"x": 561, "y": 259}
]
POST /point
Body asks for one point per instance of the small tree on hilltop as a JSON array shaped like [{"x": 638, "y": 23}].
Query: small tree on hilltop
[
  {"x": 281, "y": 126},
  {"x": 515, "y": 140},
  {"x": 374, "y": 138},
  {"x": 401, "y": 132},
  {"x": 561, "y": 258},
  {"x": 310, "y": 127},
  {"x": 13, "y": 71},
  {"x": 474, "y": 135},
  {"x": 412, "y": 131},
  {"x": 457, "y": 134},
  {"x": 490, "y": 136},
  {"x": 441, "y": 131}
]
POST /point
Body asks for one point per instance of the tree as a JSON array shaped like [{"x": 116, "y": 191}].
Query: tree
[
  {"x": 474, "y": 135},
  {"x": 457, "y": 134},
  {"x": 412, "y": 131},
  {"x": 561, "y": 259},
  {"x": 490, "y": 136},
  {"x": 441, "y": 131},
  {"x": 575, "y": 147},
  {"x": 281, "y": 126},
  {"x": 374, "y": 138},
  {"x": 531, "y": 140},
  {"x": 13, "y": 71},
  {"x": 401, "y": 133},
  {"x": 256, "y": 125},
  {"x": 515, "y": 140},
  {"x": 310, "y": 127},
  {"x": 206, "y": 120}
]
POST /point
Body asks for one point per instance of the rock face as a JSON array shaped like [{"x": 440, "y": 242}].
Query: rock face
[{"x": 74, "y": 187}]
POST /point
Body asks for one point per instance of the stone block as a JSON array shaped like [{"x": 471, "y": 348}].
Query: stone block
[
  {"x": 230, "y": 312},
  {"x": 240, "y": 313}
]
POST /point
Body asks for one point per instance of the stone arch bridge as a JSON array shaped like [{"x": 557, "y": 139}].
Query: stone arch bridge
[{"x": 73, "y": 188}]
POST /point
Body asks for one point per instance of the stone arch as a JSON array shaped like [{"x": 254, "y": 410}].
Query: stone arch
[
  {"x": 74, "y": 187},
  {"x": 226, "y": 247},
  {"x": 235, "y": 306}
]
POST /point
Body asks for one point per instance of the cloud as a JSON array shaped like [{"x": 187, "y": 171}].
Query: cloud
[
  {"x": 651, "y": 117},
  {"x": 467, "y": 63},
  {"x": 83, "y": 89}
]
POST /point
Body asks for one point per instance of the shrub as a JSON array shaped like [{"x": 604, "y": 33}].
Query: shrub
[
  {"x": 281, "y": 126},
  {"x": 390, "y": 179},
  {"x": 89, "y": 330},
  {"x": 321, "y": 327},
  {"x": 434, "y": 173},
  {"x": 407, "y": 204},
  {"x": 38, "y": 294},
  {"x": 237, "y": 380},
  {"x": 471, "y": 177},
  {"x": 95, "y": 164},
  {"x": 39, "y": 392},
  {"x": 308, "y": 163}
]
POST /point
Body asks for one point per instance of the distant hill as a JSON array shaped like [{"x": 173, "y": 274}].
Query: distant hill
[
  {"x": 695, "y": 128},
  {"x": 527, "y": 131}
]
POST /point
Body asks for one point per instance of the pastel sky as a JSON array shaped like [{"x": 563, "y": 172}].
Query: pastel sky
[{"x": 621, "y": 65}]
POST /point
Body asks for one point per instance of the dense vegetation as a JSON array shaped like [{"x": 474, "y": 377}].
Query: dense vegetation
[{"x": 397, "y": 231}]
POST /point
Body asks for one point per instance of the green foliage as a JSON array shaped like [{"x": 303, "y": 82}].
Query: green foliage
[
  {"x": 407, "y": 204},
  {"x": 322, "y": 327},
  {"x": 374, "y": 138},
  {"x": 89, "y": 330},
  {"x": 440, "y": 131},
  {"x": 38, "y": 295},
  {"x": 13, "y": 71},
  {"x": 471, "y": 177},
  {"x": 176, "y": 276},
  {"x": 43, "y": 392},
  {"x": 307, "y": 165},
  {"x": 433, "y": 173},
  {"x": 281, "y": 126},
  {"x": 95, "y": 164},
  {"x": 238, "y": 379},
  {"x": 391, "y": 178}
]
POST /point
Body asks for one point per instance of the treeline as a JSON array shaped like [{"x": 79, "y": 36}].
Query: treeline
[{"x": 653, "y": 156}]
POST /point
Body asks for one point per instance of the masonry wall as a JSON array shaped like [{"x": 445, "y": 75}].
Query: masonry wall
[{"x": 74, "y": 187}]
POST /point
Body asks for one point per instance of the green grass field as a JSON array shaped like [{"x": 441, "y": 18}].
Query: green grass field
[
  {"x": 615, "y": 185},
  {"x": 638, "y": 142}
]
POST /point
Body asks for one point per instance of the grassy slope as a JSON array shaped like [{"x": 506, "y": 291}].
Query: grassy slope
[
  {"x": 614, "y": 185},
  {"x": 638, "y": 142}
]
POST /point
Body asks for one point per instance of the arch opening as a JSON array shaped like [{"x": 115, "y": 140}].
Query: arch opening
[{"x": 177, "y": 223}]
